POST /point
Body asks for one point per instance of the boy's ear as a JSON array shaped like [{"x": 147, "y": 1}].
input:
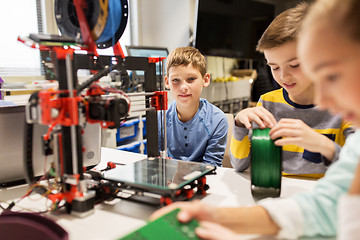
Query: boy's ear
[
  {"x": 167, "y": 82},
  {"x": 207, "y": 78}
]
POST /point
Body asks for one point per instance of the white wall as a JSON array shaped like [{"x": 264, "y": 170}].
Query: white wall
[
  {"x": 163, "y": 23},
  {"x": 167, "y": 23}
]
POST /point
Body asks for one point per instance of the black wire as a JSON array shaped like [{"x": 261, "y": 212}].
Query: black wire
[{"x": 96, "y": 77}]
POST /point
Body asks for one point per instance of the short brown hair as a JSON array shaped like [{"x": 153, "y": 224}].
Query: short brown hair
[
  {"x": 284, "y": 28},
  {"x": 183, "y": 56},
  {"x": 341, "y": 14}
]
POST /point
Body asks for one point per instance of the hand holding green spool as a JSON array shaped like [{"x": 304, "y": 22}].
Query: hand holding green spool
[{"x": 266, "y": 164}]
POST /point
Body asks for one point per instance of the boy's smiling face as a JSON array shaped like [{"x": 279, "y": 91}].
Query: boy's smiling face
[
  {"x": 186, "y": 83},
  {"x": 333, "y": 62},
  {"x": 286, "y": 70}
]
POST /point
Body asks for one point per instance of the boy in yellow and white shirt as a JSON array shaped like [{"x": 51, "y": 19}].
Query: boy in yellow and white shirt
[{"x": 311, "y": 138}]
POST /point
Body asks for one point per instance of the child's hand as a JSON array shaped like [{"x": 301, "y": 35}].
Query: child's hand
[
  {"x": 214, "y": 231},
  {"x": 296, "y": 132},
  {"x": 189, "y": 210},
  {"x": 260, "y": 115},
  {"x": 205, "y": 214}
]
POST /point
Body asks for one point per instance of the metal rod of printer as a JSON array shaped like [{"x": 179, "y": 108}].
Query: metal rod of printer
[
  {"x": 144, "y": 109},
  {"x": 140, "y": 94},
  {"x": 137, "y": 100},
  {"x": 69, "y": 75},
  {"x": 138, "y": 104},
  {"x": 163, "y": 152}
]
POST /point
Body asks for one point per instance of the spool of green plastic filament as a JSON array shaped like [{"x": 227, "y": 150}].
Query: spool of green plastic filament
[{"x": 266, "y": 165}]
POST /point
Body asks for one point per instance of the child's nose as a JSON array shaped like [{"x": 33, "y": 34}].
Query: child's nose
[
  {"x": 322, "y": 98},
  {"x": 284, "y": 74},
  {"x": 184, "y": 87}
]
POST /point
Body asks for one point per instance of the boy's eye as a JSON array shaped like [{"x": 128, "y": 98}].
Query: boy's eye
[
  {"x": 332, "y": 77},
  {"x": 191, "y": 79},
  {"x": 175, "y": 80},
  {"x": 295, "y": 65}
]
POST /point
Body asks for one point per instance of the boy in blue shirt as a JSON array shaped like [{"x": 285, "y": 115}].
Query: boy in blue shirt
[{"x": 196, "y": 129}]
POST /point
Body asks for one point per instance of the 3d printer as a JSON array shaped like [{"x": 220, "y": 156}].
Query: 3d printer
[{"x": 87, "y": 25}]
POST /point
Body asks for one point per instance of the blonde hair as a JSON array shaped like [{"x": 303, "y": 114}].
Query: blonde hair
[
  {"x": 341, "y": 14},
  {"x": 284, "y": 28},
  {"x": 183, "y": 56}
]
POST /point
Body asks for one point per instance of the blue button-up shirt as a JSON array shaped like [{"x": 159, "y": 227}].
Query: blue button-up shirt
[{"x": 202, "y": 139}]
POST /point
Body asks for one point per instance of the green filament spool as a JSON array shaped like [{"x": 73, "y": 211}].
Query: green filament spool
[{"x": 266, "y": 164}]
